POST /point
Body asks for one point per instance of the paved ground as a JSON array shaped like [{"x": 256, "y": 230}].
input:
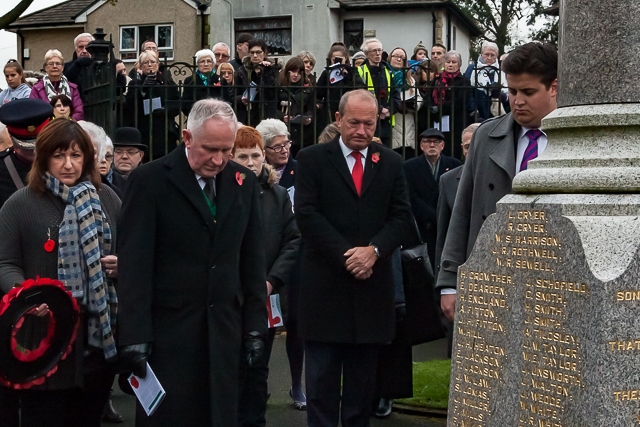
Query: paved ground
[{"x": 280, "y": 412}]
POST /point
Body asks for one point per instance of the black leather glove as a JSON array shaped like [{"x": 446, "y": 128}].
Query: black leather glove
[
  {"x": 401, "y": 312},
  {"x": 150, "y": 80},
  {"x": 84, "y": 61},
  {"x": 253, "y": 347},
  {"x": 134, "y": 358}
]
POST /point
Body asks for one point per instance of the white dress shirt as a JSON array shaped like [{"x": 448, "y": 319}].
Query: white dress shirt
[{"x": 351, "y": 161}]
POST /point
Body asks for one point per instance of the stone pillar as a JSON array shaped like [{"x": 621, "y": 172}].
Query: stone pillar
[
  {"x": 547, "y": 327},
  {"x": 595, "y": 133}
]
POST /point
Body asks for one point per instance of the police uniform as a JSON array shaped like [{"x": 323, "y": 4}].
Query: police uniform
[{"x": 24, "y": 119}]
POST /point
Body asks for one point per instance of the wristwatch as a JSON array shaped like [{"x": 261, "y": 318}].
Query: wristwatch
[{"x": 375, "y": 250}]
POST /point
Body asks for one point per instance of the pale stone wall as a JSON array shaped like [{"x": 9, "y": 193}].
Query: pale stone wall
[{"x": 39, "y": 41}]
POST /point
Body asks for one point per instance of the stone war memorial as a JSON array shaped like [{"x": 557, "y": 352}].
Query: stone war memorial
[{"x": 547, "y": 328}]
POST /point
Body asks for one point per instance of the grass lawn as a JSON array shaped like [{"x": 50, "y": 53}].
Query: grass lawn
[{"x": 430, "y": 384}]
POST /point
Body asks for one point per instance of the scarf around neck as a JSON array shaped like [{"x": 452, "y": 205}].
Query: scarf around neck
[
  {"x": 442, "y": 85},
  {"x": 84, "y": 237},
  {"x": 51, "y": 90}
]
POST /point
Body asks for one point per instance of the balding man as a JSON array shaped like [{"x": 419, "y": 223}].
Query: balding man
[{"x": 352, "y": 208}]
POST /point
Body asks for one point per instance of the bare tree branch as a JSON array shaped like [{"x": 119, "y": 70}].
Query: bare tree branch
[{"x": 14, "y": 13}]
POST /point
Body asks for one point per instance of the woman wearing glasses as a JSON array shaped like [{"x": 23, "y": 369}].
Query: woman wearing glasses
[
  {"x": 55, "y": 83},
  {"x": 204, "y": 83},
  {"x": 258, "y": 80},
  {"x": 152, "y": 105}
]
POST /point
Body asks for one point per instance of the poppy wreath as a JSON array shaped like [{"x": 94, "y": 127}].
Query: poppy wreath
[{"x": 31, "y": 347}]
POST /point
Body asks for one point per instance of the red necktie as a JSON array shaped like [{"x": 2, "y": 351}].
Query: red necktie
[{"x": 357, "y": 171}]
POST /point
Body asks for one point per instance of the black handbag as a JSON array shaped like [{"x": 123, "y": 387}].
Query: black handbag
[{"x": 422, "y": 321}]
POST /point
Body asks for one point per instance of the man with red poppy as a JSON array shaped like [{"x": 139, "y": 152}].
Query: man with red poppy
[
  {"x": 353, "y": 211},
  {"x": 191, "y": 284}
]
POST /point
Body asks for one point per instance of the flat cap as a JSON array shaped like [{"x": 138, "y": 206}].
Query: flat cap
[{"x": 432, "y": 133}]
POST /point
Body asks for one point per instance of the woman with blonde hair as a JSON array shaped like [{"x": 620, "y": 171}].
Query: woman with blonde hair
[{"x": 55, "y": 83}]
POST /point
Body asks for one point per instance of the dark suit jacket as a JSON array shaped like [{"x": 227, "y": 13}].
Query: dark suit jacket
[
  {"x": 423, "y": 190},
  {"x": 448, "y": 188},
  {"x": 334, "y": 306},
  {"x": 191, "y": 284},
  {"x": 289, "y": 174},
  {"x": 486, "y": 178}
]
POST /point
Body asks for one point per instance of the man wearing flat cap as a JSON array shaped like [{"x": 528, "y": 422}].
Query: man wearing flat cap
[
  {"x": 24, "y": 119},
  {"x": 128, "y": 151},
  {"x": 423, "y": 174}
]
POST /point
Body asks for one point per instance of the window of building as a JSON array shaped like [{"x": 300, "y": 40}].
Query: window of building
[
  {"x": 353, "y": 34},
  {"x": 276, "y": 32},
  {"x": 131, "y": 37}
]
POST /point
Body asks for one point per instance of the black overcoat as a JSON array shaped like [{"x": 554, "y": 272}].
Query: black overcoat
[
  {"x": 334, "y": 306},
  {"x": 192, "y": 285},
  {"x": 423, "y": 191}
]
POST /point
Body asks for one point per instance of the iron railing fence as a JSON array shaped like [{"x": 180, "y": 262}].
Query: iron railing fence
[{"x": 159, "y": 109}]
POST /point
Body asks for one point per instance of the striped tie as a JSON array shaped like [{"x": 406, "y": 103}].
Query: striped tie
[{"x": 532, "y": 149}]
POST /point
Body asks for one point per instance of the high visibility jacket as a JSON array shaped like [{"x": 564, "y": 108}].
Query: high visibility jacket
[{"x": 363, "y": 70}]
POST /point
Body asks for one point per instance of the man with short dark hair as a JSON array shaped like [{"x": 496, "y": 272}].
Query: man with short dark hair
[
  {"x": 242, "y": 49},
  {"x": 353, "y": 211},
  {"x": 423, "y": 175},
  {"x": 437, "y": 55},
  {"x": 500, "y": 148}
]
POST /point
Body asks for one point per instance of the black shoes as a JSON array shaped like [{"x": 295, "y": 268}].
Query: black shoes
[
  {"x": 384, "y": 408},
  {"x": 300, "y": 405},
  {"x": 111, "y": 416}
]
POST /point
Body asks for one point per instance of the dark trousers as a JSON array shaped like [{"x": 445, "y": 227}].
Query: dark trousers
[
  {"x": 254, "y": 392},
  {"x": 326, "y": 365}
]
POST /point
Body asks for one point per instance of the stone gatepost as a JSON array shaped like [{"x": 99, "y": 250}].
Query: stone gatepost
[{"x": 547, "y": 329}]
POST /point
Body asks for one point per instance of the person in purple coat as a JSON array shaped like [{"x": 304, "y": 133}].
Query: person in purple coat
[{"x": 55, "y": 83}]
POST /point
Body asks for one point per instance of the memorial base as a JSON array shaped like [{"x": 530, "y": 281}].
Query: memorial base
[{"x": 547, "y": 328}]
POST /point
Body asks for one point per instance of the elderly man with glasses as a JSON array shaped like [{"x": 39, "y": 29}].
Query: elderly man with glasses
[
  {"x": 221, "y": 52},
  {"x": 277, "y": 146},
  {"x": 128, "y": 152}
]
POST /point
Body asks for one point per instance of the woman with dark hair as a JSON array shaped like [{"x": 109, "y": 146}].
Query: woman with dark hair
[
  {"x": 63, "y": 226},
  {"x": 18, "y": 87},
  {"x": 338, "y": 78},
  {"x": 258, "y": 79},
  {"x": 62, "y": 107},
  {"x": 297, "y": 104},
  {"x": 152, "y": 105},
  {"x": 281, "y": 243}
]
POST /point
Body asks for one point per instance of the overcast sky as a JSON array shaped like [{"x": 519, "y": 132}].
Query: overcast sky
[{"x": 8, "y": 46}]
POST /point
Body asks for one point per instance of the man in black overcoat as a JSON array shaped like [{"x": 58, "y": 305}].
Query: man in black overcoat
[
  {"x": 192, "y": 273},
  {"x": 423, "y": 173},
  {"x": 352, "y": 216}
]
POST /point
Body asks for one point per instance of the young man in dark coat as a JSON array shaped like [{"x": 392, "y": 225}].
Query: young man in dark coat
[
  {"x": 192, "y": 273},
  {"x": 423, "y": 174},
  {"x": 498, "y": 152},
  {"x": 353, "y": 211}
]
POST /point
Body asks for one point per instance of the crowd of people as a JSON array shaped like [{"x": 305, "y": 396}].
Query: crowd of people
[{"x": 175, "y": 240}]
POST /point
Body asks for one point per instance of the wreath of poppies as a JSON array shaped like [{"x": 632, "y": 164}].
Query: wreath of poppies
[{"x": 32, "y": 346}]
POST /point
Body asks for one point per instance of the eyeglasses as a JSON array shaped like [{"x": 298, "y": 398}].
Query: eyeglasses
[
  {"x": 54, "y": 64},
  {"x": 205, "y": 61},
  {"x": 129, "y": 151},
  {"x": 280, "y": 148},
  {"x": 226, "y": 73},
  {"x": 402, "y": 58},
  {"x": 221, "y": 55},
  {"x": 431, "y": 141},
  {"x": 108, "y": 157},
  {"x": 375, "y": 51},
  {"x": 149, "y": 62},
  {"x": 255, "y": 52}
]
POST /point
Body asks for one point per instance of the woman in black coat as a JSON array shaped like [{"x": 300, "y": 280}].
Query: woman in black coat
[
  {"x": 152, "y": 105},
  {"x": 281, "y": 243},
  {"x": 204, "y": 83},
  {"x": 451, "y": 96},
  {"x": 337, "y": 79},
  {"x": 258, "y": 80},
  {"x": 297, "y": 104}
]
